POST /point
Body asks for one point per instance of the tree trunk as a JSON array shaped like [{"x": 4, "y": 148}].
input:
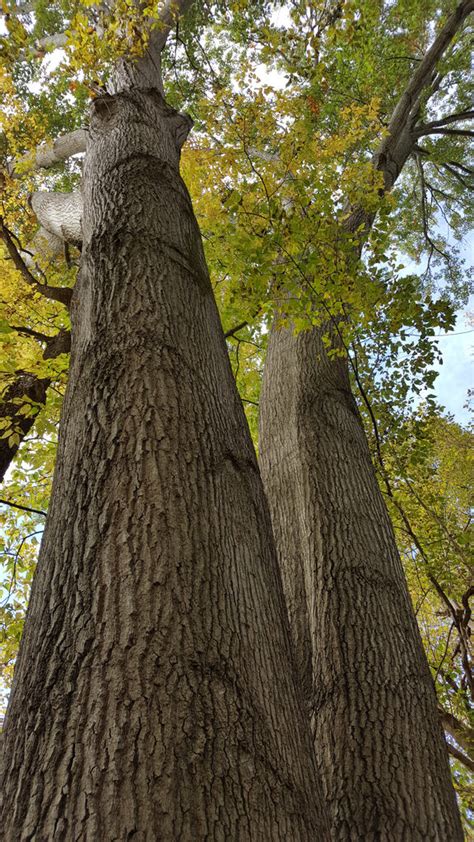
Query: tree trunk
[
  {"x": 367, "y": 685},
  {"x": 154, "y": 697}
]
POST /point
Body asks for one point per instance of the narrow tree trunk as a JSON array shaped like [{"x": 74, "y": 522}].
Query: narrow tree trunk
[
  {"x": 154, "y": 697},
  {"x": 368, "y": 689}
]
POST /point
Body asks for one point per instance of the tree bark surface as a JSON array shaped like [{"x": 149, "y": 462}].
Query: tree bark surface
[
  {"x": 366, "y": 681},
  {"x": 154, "y": 696}
]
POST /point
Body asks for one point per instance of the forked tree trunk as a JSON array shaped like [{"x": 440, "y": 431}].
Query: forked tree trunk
[
  {"x": 368, "y": 689},
  {"x": 154, "y": 697}
]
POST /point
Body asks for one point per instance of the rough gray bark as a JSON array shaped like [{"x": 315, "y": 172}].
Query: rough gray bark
[
  {"x": 154, "y": 696},
  {"x": 368, "y": 689}
]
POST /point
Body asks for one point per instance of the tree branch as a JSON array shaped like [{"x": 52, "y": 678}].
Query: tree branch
[
  {"x": 61, "y": 294},
  {"x": 423, "y": 73},
  {"x": 235, "y": 330},
  {"x": 449, "y": 168},
  {"x": 455, "y": 132},
  {"x": 424, "y": 215},
  {"x": 23, "y": 508},
  {"x": 50, "y": 153},
  {"x": 31, "y": 388},
  {"x": 463, "y": 734},
  {"x": 458, "y": 755},
  {"x": 400, "y": 141},
  {"x": 28, "y": 331},
  {"x": 444, "y": 121}
]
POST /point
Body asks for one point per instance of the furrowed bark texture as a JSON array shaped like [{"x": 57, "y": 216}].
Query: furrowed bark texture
[
  {"x": 367, "y": 685},
  {"x": 154, "y": 697}
]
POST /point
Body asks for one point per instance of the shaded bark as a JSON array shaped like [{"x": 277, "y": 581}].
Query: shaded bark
[
  {"x": 367, "y": 685},
  {"x": 154, "y": 696}
]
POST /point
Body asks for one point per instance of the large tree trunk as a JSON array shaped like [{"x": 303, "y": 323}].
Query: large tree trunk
[
  {"x": 154, "y": 697},
  {"x": 368, "y": 689}
]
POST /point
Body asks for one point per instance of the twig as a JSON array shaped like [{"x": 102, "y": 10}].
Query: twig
[{"x": 23, "y": 508}]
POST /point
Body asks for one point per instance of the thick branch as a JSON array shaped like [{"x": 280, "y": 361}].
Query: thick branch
[
  {"x": 458, "y": 755},
  {"x": 49, "y": 154},
  {"x": 445, "y": 121},
  {"x": 463, "y": 734},
  {"x": 60, "y": 214},
  {"x": 424, "y": 72},
  {"x": 455, "y": 132},
  {"x": 400, "y": 141}
]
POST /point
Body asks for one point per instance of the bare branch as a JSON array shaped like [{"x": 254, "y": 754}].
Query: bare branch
[
  {"x": 400, "y": 141},
  {"x": 423, "y": 73},
  {"x": 28, "y": 331},
  {"x": 462, "y": 167},
  {"x": 424, "y": 216},
  {"x": 398, "y": 144},
  {"x": 449, "y": 168}
]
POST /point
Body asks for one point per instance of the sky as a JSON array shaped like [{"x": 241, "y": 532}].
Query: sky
[{"x": 456, "y": 374}]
